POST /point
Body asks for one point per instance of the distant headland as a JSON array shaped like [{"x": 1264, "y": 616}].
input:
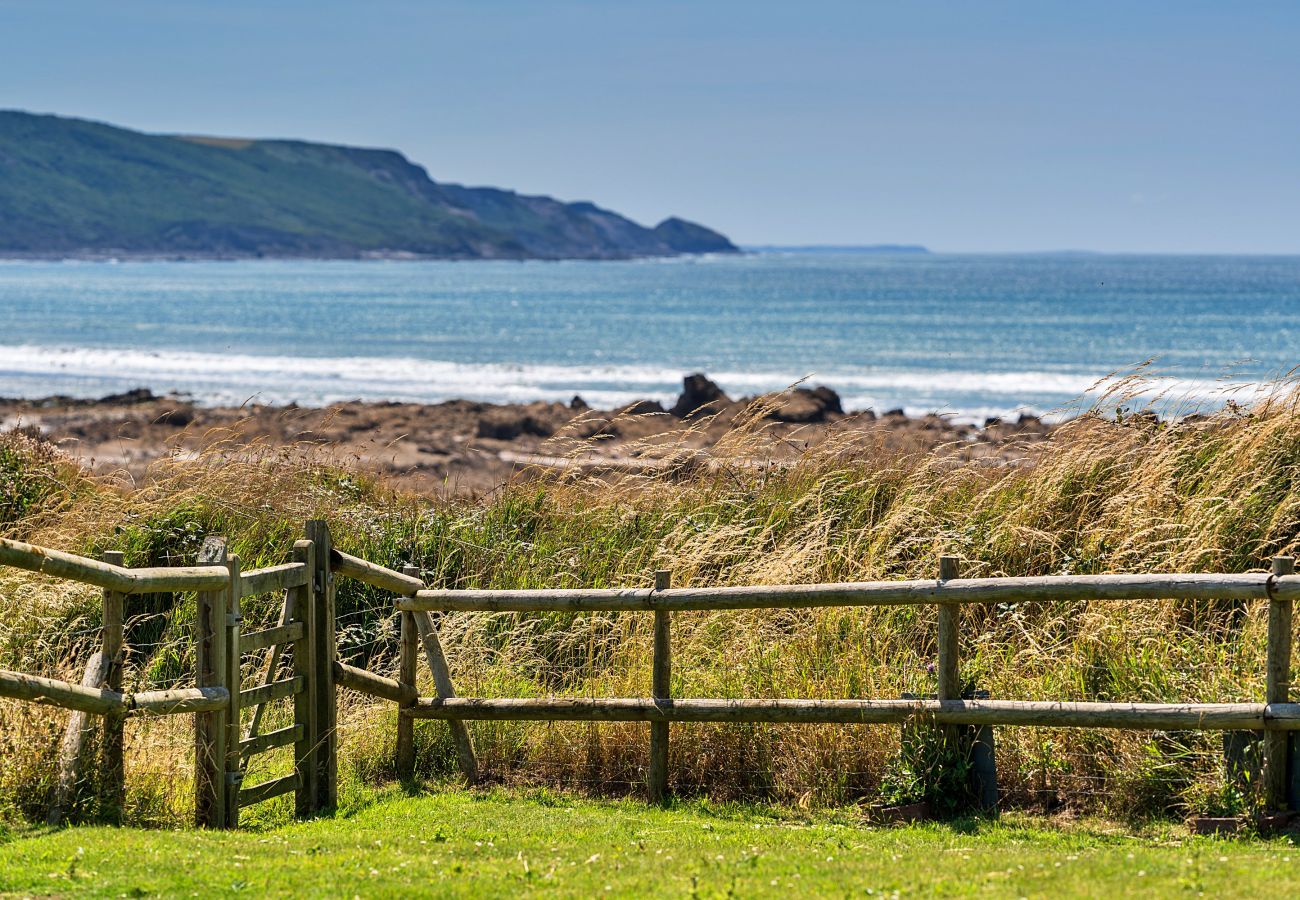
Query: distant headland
[
  {"x": 841, "y": 248},
  {"x": 71, "y": 188}
]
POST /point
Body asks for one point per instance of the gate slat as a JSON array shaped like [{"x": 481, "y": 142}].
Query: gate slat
[
  {"x": 268, "y": 789},
  {"x": 281, "y": 737},
  {"x": 271, "y": 637},
  {"x": 276, "y": 690}
]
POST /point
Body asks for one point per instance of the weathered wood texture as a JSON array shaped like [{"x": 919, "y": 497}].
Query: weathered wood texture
[
  {"x": 407, "y": 661},
  {"x": 324, "y": 718},
  {"x": 103, "y": 702},
  {"x": 375, "y": 685},
  {"x": 232, "y": 772},
  {"x": 179, "y": 701},
  {"x": 271, "y": 740},
  {"x": 284, "y": 633},
  {"x": 443, "y": 688},
  {"x": 112, "y": 747},
  {"x": 103, "y": 671},
  {"x": 660, "y": 689},
  {"x": 64, "y": 693},
  {"x": 374, "y": 575},
  {"x": 1054, "y": 588},
  {"x": 949, "y": 679},
  {"x": 268, "y": 789},
  {"x": 268, "y": 693},
  {"x": 1152, "y": 716},
  {"x": 273, "y": 578},
  {"x": 1277, "y": 688},
  {"x": 301, "y": 601},
  {"x": 210, "y": 672},
  {"x": 80, "y": 727},
  {"x": 111, "y": 577}
]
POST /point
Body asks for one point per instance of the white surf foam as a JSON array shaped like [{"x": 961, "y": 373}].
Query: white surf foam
[{"x": 232, "y": 379}]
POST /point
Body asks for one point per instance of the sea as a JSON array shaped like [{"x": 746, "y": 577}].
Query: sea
[{"x": 965, "y": 336}]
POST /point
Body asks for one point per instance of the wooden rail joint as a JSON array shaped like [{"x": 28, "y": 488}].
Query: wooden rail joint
[
  {"x": 108, "y": 702},
  {"x": 373, "y": 574},
  {"x": 375, "y": 685}
]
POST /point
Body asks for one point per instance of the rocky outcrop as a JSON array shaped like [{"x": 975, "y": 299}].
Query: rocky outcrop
[
  {"x": 507, "y": 423},
  {"x": 682, "y": 236},
  {"x": 642, "y": 408},
  {"x": 805, "y": 406},
  {"x": 699, "y": 397}
]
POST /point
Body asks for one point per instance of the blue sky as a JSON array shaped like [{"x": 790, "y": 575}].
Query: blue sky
[{"x": 1153, "y": 126}]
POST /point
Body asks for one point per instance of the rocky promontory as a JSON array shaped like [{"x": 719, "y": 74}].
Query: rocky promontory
[{"x": 70, "y": 187}]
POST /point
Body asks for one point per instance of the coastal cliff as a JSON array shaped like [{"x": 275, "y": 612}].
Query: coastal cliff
[{"x": 71, "y": 187}]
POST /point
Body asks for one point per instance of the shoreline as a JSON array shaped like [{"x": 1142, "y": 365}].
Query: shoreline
[
  {"x": 204, "y": 377},
  {"x": 467, "y": 447},
  {"x": 122, "y": 256}
]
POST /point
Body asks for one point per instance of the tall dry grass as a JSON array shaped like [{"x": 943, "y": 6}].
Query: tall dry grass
[{"x": 1106, "y": 492}]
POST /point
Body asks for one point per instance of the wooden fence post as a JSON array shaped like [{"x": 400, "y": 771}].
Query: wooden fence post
[
  {"x": 1277, "y": 688},
  {"x": 406, "y": 664},
  {"x": 949, "y": 678},
  {"x": 304, "y": 702},
  {"x": 210, "y": 671},
  {"x": 324, "y": 652},
  {"x": 232, "y": 770},
  {"x": 99, "y": 673},
  {"x": 984, "y": 763},
  {"x": 113, "y": 778},
  {"x": 442, "y": 687},
  {"x": 977, "y": 741},
  {"x": 660, "y": 689}
]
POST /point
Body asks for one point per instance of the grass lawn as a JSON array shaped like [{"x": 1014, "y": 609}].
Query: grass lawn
[{"x": 502, "y": 844}]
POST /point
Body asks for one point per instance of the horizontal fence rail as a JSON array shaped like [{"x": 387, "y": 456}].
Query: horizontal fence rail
[
  {"x": 273, "y": 578},
  {"x": 1152, "y": 716},
  {"x": 1050, "y": 588},
  {"x": 306, "y": 631},
  {"x": 374, "y": 575},
  {"x": 375, "y": 685},
  {"x": 222, "y": 747},
  {"x": 104, "y": 702},
  {"x": 111, "y": 577},
  {"x": 1275, "y": 717}
]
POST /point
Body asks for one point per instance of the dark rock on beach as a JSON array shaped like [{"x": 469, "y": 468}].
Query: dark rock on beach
[
  {"x": 133, "y": 396},
  {"x": 180, "y": 417},
  {"x": 642, "y": 408},
  {"x": 506, "y": 424},
  {"x": 805, "y": 406},
  {"x": 699, "y": 397}
]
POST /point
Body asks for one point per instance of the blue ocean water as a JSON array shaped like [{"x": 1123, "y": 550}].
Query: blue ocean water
[{"x": 963, "y": 335}]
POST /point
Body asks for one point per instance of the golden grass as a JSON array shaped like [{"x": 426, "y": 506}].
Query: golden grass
[{"x": 1105, "y": 493}]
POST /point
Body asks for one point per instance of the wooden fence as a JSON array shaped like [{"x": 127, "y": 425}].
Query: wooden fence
[
  {"x": 223, "y": 744},
  {"x": 226, "y": 738}
]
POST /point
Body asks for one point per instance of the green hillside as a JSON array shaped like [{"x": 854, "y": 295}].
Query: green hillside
[{"x": 69, "y": 186}]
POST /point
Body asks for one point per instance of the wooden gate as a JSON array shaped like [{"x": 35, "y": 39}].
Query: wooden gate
[{"x": 259, "y": 668}]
